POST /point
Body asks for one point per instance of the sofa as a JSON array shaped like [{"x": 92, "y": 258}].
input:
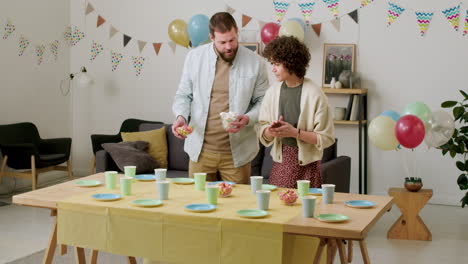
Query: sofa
[{"x": 335, "y": 170}]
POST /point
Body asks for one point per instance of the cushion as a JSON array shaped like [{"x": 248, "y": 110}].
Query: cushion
[
  {"x": 157, "y": 143},
  {"x": 131, "y": 153}
]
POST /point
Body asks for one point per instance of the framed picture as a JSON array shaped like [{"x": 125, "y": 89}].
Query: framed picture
[
  {"x": 337, "y": 58},
  {"x": 253, "y": 46}
]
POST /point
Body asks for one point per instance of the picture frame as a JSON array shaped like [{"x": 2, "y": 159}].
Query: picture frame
[
  {"x": 337, "y": 58},
  {"x": 253, "y": 46}
]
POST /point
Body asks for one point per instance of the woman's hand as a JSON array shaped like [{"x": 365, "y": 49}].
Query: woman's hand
[{"x": 281, "y": 129}]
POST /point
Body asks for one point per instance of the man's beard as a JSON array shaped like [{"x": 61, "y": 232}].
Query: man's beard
[{"x": 226, "y": 59}]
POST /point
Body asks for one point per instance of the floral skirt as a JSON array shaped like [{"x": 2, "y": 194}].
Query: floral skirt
[{"x": 286, "y": 174}]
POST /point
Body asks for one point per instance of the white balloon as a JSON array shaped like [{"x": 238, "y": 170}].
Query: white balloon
[{"x": 440, "y": 129}]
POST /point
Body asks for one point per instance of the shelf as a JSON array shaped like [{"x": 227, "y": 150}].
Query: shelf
[
  {"x": 344, "y": 91},
  {"x": 347, "y": 122}
]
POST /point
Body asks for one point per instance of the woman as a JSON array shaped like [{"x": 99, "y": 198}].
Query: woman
[{"x": 294, "y": 116}]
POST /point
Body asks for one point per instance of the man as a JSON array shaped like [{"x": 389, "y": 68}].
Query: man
[{"x": 220, "y": 77}]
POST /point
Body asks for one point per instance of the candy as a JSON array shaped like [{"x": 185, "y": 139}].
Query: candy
[
  {"x": 228, "y": 118},
  {"x": 184, "y": 130}
]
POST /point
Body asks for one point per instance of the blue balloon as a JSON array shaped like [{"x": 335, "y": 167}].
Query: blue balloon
[
  {"x": 198, "y": 29},
  {"x": 392, "y": 114},
  {"x": 300, "y": 21}
]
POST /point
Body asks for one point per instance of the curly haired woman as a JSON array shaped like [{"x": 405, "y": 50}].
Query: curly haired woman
[{"x": 294, "y": 117}]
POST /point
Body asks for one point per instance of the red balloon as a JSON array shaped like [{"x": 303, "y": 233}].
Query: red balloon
[
  {"x": 409, "y": 131},
  {"x": 269, "y": 32}
]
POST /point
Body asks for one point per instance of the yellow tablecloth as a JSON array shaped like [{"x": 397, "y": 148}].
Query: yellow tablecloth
[{"x": 170, "y": 233}]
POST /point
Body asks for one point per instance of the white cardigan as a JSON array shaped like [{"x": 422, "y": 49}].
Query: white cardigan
[{"x": 315, "y": 116}]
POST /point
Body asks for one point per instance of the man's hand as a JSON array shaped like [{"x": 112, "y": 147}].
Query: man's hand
[
  {"x": 238, "y": 124},
  {"x": 179, "y": 122}
]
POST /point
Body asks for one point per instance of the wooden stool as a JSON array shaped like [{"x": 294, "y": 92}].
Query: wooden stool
[{"x": 410, "y": 226}]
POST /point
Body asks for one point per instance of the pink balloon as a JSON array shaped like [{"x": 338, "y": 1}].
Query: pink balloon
[
  {"x": 269, "y": 32},
  {"x": 409, "y": 131}
]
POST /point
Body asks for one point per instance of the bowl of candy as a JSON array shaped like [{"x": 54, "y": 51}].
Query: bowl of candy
[
  {"x": 225, "y": 189},
  {"x": 227, "y": 119},
  {"x": 185, "y": 130},
  {"x": 288, "y": 197}
]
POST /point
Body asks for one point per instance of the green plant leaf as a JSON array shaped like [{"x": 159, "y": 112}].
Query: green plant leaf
[
  {"x": 462, "y": 181},
  {"x": 444, "y": 151},
  {"x": 448, "y": 104},
  {"x": 458, "y": 112},
  {"x": 460, "y": 165},
  {"x": 453, "y": 153},
  {"x": 464, "y": 94},
  {"x": 464, "y": 129},
  {"x": 464, "y": 200}
]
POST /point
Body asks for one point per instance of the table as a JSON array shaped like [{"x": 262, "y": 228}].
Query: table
[
  {"x": 294, "y": 227},
  {"x": 409, "y": 225}
]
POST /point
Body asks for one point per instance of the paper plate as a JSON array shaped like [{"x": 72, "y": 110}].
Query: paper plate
[
  {"x": 106, "y": 197},
  {"x": 182, "y": 180},
  {"x": 88, "y": 183},
  {"x": 200, "y": 208},
  {"x": 218, "y": 182},
  {"x": 269, "y": 187},
  {"x": 315, "y": 191},
  {"x": 252, "y": 213},
  {"x": 332, "y": 218},
  {"x": 360, "y": 204},
  {"x": 147, "y": 202},
  {"x": 145, "y": 177}
]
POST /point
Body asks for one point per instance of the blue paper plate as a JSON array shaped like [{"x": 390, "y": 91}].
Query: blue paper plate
[
  {"x": 145, "y": 177},
  {"x": 200, "y": 208},
  {"x": 360, "y": 203},
  {"x": 315, "y": 191},
  {"x": 218, "y": 182},
  {"x": 106, "y": 196}
]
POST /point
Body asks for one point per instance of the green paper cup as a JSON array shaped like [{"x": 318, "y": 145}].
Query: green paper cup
[
  {"x": 111, "y": 179},
  {"x": 200, "y": 181},
  {"x": 160, "y": 174},
  {"x": 130, "y": 171},
  {"x": 212, "y": 192},
  {"x": 126, "y": 185},
  {"x": 303, "y": 187}
]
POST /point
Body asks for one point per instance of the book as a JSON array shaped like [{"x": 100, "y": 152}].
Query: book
[
  {"x": 354, "y": 108},
  {"x": 348, "y": 108}
]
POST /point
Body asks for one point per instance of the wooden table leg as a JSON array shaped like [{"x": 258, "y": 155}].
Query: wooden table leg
[
  {"x": 319, "y": 251},
  {"x": 131, "y": 260},
  {"x": 50, "y": 251},
  {"x": 350, "y": 251},
  {"x": 80, "y": 256},
  {"x": 331, "y": 251},
  {"x": 63, "y": 250},
  {"x": 94, "y": 255},
  {"x": 341, "y": 250},
  {"x": 365, "y": 255}
]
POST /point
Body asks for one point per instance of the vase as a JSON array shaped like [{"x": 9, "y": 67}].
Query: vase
[
  {"x": 413, "y": 184},
  {"x": 332, "y": 83},
  {"x": 349, "y": 79}
]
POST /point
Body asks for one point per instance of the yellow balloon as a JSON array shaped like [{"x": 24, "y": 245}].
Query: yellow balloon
[
  {"x": 292, "y": 28},
  {"x": 178, "y": 33},
  {"x": 382, "y": 133}
]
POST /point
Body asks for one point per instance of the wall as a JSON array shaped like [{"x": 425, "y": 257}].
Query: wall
[
  {"x": 397, "y": 66},
  {"x": 30, "y": 92}
]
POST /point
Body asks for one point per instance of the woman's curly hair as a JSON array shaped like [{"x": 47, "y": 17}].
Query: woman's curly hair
[{"x": 290, "y": 52}]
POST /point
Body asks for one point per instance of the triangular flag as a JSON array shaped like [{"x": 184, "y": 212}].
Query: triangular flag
[
  {"x": 9, "y": 29},
  {"x": 157, "y": 47},
  {"x": 40, "y": 53},
  {"x": 141, "y": 45},
  {"x": 112, "y": 31},
  {"x": 364, "y": 3},
  {"x": 306, "y": 6},
  {"x": 173, "y": 46},
  {"x": 317, "y": 28},
  {"x": 245, "y": 20},
  {"x": 126, "y": 39},
  {"x": 89, "y": 9},
  {"x": 355, "y": 16},
  {"x": 54, "y": 49},
  {"x": 230, "y": 10},
  {"x": 281, "y": 7},
  {"x": 332, "y": 6},
  {"x": 465, "y": 31},
  {"x": 138, "y": 64},
  {"x": 23, "y": 44},
  {"x": 453, "y": 16},
  {"x": 336, "y": 24},
  {"x": 96, "y": 49},
  {"x": 100, "y": 21},
  {"x": 423, "y": 19},
  {"x": 394, "y": 12},
  {"x": 116, "y": 58}
]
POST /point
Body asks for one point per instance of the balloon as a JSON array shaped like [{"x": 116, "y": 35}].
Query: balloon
[
  {"x": 419, "y": 109},
  {"x": 177, "y": 31},
  {"x": 198, "y": 29},
  {"x": 392, "y": 114},
  {"x": 292, "y": 28},
  {"x": 382, "y": 133},
  {"x": 409, "y": 131},
  {"x": 269, "y": 32},
  {"x": 440, "y": 129},
  {"x": 300, "y": 21}
]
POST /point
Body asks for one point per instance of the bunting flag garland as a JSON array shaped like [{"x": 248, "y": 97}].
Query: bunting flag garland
[
  {"x": 73, "y": 35},
  {"x": 306, "y": 6},
  {"x": 453, "y": 16},
  {"x": 230, "y": 10},
  {"x": 68, "y": 34},
  {"x": 465, "y": 31},
  {"x": 332, "y": 5},
  {"x": 112, "y": 31},
  {"x": 281, "y": 7},
  {"x": 317, "y": 28},
  {"x": 9, "y": 29},
  {"x": 336, "y": 24},
  {"x": 355, "y": 16},
  {"x": 172, "y": 45},
  {"x": 424, "y": 19},
  {"x": 394, "y": 11},
  {"x": 40, "y": 54},
  {"x": 54, "y": 49},
  {"x": 141, "y": 45},
  {"x": 364, "y": 3},
  {"x": 245, "y": 20},
  {"x": 157, "y": 47},
  {"x": 116, "y": 58},
  {"x": 126, "y": 39},
  {"x": 100, "y": 21},
  {"x": 89, "y": 9},
  {"x": 96, "y": 49},
  {"x": 138, "y": 64},
  {"x": 23, "y": 44}
]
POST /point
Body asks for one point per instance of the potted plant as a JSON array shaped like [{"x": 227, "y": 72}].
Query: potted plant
[{"x": 458, "y": 144}]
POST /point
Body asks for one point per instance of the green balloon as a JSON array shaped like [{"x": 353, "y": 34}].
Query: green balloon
[{"x": 419, "y": 109}]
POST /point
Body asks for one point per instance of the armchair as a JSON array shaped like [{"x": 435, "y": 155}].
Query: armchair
[{"x": 23, "y": 149}]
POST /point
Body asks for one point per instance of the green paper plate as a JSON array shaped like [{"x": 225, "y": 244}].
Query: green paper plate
[
  {"x": 252, "y": 213},
  {"x": 147, "y": 202},
  {"x": 269, "y": 187},
  {"x": 182, "y": 180},
  {"x": 332, "y": 218},
  {"x": 88, "y": 183}
]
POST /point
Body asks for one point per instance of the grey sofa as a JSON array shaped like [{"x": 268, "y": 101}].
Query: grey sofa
[{"x": 335, "y": 170}]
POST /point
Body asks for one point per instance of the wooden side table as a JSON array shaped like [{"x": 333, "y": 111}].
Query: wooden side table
[{"x": 410, "y": 226}]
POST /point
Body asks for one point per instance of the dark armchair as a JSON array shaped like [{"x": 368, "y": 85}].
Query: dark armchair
[
  {"x": 23, "y": 149},
  {"x": 128, "y": 125}
]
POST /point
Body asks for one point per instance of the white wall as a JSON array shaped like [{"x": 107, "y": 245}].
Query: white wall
[
  {"x": 30, "y": 92},
  {"x": 397, "y": 65}
]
